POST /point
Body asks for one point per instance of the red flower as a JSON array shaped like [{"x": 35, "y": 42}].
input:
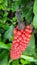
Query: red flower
[{"x": 20, "y": 43}]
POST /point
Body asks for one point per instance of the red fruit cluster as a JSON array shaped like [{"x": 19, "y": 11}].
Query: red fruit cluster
[{"x": 20, "y": 43}]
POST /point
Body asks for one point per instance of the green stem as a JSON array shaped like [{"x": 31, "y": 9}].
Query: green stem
[{"x": 10, "y": 61}]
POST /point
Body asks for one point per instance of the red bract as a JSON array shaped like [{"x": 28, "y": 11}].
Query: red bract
[{"x": 20, "y": 42}]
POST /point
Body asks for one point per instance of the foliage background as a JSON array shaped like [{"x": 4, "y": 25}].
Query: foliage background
[{"x": 8, "y": 21}]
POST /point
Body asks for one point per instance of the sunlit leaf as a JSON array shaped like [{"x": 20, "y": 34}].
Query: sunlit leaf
[
  {"x": 35, "y": 21},
  {"x": 35, "y": 7},
  {"x": 4, "y": 46},
  {"x": 15, "y": 62}
]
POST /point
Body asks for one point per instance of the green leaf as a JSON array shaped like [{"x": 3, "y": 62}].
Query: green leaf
[
  {"x": 4, "y": 58},
  {"x": 5, "y": 14},
  {"x": 15, "y": 62},
  {"x": 31, "y": 48},
  {"x": 4, "y": 20},
  {"x": 9, "y": 34},
  {"x": 24, "y": 61},
  {"x": 5, "y": 46},
  {"x": 5, "y": 27},
  {"x": 28, "y": 58},
  {"x": 29, "y": 15},
  {"x": 1, "y": 1},
  {"x": 35, "y": 21},
  {"x": 35, "y": 7},
  {"x": 8, "y": 63},
  {"x": 15, "y": 6},
  {"x": 4, "y": 5}
]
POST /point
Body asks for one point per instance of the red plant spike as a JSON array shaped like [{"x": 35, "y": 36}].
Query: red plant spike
[{"x": 20, "y": 43}]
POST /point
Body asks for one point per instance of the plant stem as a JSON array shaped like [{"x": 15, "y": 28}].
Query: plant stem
[
  {"x": 10, "y": 60},
  {"x": 19, "y": 19}
]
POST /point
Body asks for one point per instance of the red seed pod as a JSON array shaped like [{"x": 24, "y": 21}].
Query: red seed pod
[{"x": 20, "y": 42}]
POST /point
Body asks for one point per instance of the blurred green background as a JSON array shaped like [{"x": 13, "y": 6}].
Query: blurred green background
[{"x": 8, "y": 21}]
